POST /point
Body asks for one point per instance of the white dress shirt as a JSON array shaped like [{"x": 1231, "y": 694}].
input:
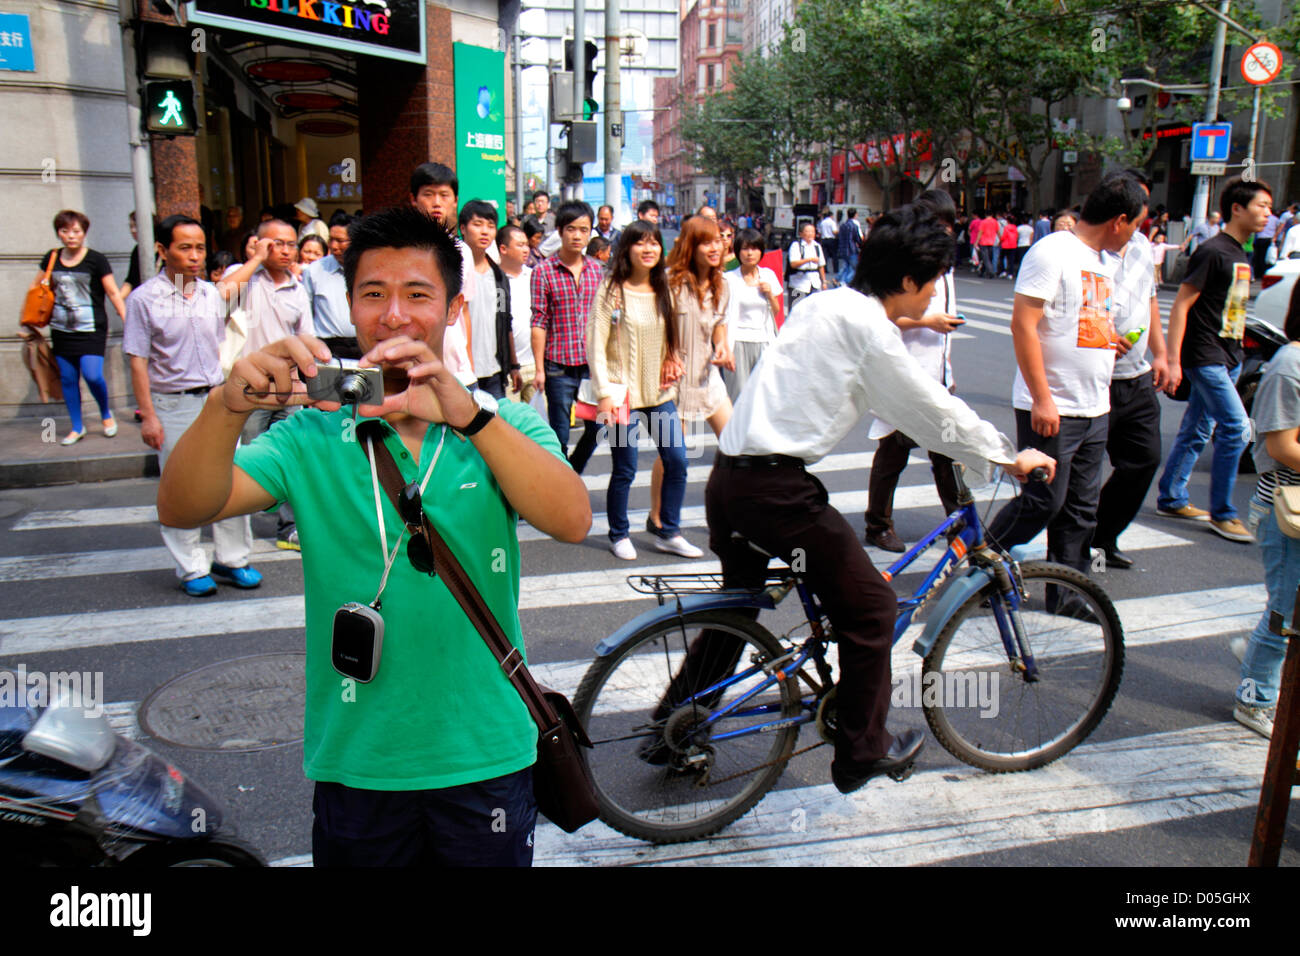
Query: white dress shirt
[{"x": 837, "y": 359}]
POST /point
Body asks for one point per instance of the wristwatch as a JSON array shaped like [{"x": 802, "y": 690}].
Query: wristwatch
[{"x": 487, "y": 410}]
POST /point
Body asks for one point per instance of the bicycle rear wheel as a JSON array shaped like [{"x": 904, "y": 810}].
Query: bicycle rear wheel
[
  {"x": 661, "y": 773},
  {"x": 984, "y": 712}
]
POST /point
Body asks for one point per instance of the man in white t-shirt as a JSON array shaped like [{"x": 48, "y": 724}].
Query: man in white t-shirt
[
  {"x": 1065, "y": 346},
  {"x": 827, "y": 230},
  {"x": 512, "y": 246},
  {"x": 807, "y": 264}
]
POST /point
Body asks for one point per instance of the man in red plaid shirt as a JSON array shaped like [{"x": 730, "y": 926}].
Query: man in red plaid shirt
[{"x": 563, "y": 288}]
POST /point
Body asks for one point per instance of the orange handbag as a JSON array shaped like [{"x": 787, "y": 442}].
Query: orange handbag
[{"x": 39, "y": 304}]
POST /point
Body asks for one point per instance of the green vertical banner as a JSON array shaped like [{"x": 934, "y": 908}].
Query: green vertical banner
[{"x": 481, "y": 125}]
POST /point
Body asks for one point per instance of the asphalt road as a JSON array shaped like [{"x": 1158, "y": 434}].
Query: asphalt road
[{"x": 1167, "y": 779}]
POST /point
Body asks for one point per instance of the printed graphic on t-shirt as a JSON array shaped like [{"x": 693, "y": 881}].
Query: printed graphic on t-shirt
[
  {"x": 1096, "y": 331},
  {"x": 1234, "y": 308},
  {"x": 73, "y": 309}
]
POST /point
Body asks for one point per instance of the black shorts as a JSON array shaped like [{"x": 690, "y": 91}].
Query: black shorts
[{"x": 489, "y": 823}]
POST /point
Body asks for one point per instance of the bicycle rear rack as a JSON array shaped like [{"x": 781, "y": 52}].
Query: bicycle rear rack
[{"x": 662, "y": 586}]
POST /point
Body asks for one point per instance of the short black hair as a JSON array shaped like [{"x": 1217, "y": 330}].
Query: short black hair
[
  {"x": 532, "y": 228},
  {"x": 940, "y": 204},
  {"x": 597, "y": 245},
  {"x": 1118, "y": 194},
  {"x": 906, "y": 243},
  {"x": 67, "y": 217},
  {"x": 748, "y": 239},
  {"x": 163, "y": 234},
  {"x": 541, "y": 192},
  {"x": 645, "y": 206},
  {"x": 1140, "y": 176},
  {"x": 403, "y": 227},
  {"x": 1240, "y": 192},
  {"x": 572, "y": 211},
  {"x": 340, "y": 218},
  {"x": 434, "y": 174},
  {"x": 221, "y": 260},
  {"x": 504, "y": 233},
  {"x": 852, "y": 212},
  {"x": 267, "y": 224},
  {"x": 478, "y": 209}
]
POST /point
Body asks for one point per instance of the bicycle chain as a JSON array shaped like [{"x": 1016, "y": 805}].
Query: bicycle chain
[{"x": 770, "y": 763}]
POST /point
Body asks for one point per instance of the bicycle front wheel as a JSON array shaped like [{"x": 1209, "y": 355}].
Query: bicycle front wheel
[
  {"x": 663, "y": 771},
  {"x": 980, "y": 705}
]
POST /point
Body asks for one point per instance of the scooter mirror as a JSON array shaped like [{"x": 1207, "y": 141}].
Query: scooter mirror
[{"x": 72, "y": 736}]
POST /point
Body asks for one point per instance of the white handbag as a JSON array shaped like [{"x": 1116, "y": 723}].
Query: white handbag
[{"x": 232, "y": 346}]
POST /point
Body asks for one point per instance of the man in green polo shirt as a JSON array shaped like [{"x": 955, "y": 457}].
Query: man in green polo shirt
[{"x": 428, "y": 762}]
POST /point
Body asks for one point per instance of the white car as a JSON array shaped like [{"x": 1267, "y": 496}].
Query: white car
[{"x": 1275, "y": 294}]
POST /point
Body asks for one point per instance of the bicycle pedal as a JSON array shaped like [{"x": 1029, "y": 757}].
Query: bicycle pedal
[{"x": 902, "y": 773}]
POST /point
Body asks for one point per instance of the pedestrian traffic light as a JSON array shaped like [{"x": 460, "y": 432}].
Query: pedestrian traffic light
[
  {"x": 590, "y": 50},
  {"x": 169, "y": 107}
]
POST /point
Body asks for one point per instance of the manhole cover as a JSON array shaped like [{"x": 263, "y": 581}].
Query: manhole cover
[{"x": 250, "y": 703}]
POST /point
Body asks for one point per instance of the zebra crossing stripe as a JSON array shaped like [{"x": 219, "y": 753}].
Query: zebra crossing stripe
[{"x": 954, "y": 812}]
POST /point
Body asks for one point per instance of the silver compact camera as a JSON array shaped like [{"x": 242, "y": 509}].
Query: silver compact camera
[{"x": 344, "y": 381}]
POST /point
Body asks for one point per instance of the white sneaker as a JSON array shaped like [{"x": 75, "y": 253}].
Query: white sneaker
[
  {"x": 622, "y": 548},
  {"x": 1238, "y": 647},
  {"x": 1258, "y": 719},
  {"x": 679, "y": 546}
]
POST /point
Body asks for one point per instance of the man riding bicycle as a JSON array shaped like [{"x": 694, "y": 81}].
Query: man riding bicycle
[{"x": 839, "y": 358}]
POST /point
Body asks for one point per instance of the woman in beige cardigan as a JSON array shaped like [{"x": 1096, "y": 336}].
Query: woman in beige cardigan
[{"x": 633, "y": 353}]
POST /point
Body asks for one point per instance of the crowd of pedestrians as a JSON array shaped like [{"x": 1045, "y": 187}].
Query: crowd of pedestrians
[{"x": 566, "y": 314}]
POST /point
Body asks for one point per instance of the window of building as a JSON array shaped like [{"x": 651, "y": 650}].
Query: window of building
[
  {"x": 711, "y": 76},
  {"x": 713, "y": 35}
]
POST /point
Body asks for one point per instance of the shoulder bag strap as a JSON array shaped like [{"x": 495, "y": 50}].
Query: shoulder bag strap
[
  {"x": 458, "y": 582},
  {"x": 49, "y": 268}
]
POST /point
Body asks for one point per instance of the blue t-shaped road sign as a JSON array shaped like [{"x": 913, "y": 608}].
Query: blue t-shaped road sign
[{"x": 1211, "y": 142}]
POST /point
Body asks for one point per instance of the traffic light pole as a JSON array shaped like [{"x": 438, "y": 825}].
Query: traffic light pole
[
  {"x": 141, "y": 174},
  {"x": 613, "y": 115},
  {"x": 1201, "y": 199},
  {"x": 573, "y": 177}
]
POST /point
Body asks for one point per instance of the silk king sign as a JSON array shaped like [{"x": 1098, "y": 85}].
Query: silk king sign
[{"x": 387, "y": 28}]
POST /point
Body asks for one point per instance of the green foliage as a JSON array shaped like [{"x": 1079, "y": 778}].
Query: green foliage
[{"x": 988, "y": 79}]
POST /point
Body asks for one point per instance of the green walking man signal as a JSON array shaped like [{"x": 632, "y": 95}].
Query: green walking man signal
[{"x": 169, "y": 107}]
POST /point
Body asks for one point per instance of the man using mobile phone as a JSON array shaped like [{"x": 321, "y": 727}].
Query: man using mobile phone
[
  {"x": 428, "y": 763},
  {"x": 928, "y": 339}
]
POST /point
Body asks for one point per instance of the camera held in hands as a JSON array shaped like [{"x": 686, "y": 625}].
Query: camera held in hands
[{"x": 344, "y": 381}]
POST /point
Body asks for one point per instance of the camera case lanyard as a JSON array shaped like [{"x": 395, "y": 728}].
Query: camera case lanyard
[{"x": 390, "y": 557}]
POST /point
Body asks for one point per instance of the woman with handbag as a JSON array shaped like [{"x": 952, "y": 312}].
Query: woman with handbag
[
  {"x": 80, "y": 279},
  {"x": 1274, "y": 519},
  {"x": 632, "y": 348},
  {"x": 700, "y": 297},
  {"x": 754, "y": 299}
]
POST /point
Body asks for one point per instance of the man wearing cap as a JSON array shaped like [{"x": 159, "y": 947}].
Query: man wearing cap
[{"x": 311, "y": 223}]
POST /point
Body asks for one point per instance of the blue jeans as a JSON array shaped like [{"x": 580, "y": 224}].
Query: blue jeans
[
  {"x": 561, "y": 386},
  {"x": 849, "y": 268},
  {"x": 1214, "y": 406},
  {"x": 666, "y": 430},
  {"x": 1261, "y": 668}
]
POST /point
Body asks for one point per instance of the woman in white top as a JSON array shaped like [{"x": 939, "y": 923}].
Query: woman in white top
[
  {"x": 633, "y": 344},
  {"x": 751, "y": 310},
  {"x": 927, "y": 340}
]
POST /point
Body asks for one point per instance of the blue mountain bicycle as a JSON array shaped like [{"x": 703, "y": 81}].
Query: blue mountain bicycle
[{"x": 1020, "y": 661}]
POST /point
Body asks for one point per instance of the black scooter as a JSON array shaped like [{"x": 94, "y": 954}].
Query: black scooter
[{"x": 74, "y": 793}]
